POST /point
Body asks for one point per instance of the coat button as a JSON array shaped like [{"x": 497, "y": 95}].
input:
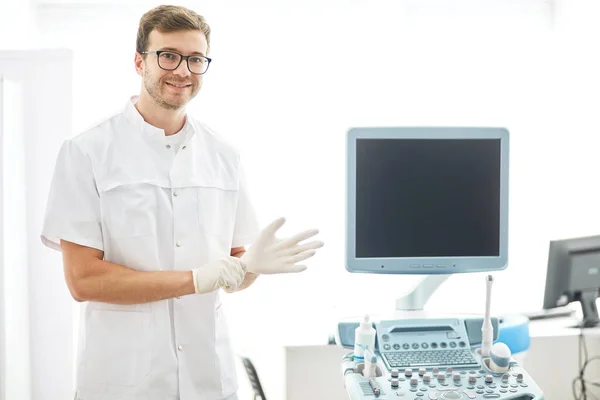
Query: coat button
[
  {"x": 168, "y": 146},
  {"x": 175, "y": 194},
  {"x": 180, "y": 347},
  {"x": 178, "y": 244}
]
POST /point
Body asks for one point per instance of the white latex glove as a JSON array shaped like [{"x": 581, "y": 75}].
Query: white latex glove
[
  {"x": 227, "y": 273},
  {"x": 270, "y": 255}
]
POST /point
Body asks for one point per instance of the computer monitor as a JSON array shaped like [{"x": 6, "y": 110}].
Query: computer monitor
[
  {"x": 574, "y": 275},
  {"x": 427, "y": 200}
]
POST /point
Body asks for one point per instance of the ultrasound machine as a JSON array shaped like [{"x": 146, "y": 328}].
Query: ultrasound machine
[{"x": 430, "y": 201}]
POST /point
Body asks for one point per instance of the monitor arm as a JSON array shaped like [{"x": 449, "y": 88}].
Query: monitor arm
[{"x": 416, "y": 300}]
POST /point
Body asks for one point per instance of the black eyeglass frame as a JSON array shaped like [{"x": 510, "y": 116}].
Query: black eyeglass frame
[{"x": 186, "y": 58}]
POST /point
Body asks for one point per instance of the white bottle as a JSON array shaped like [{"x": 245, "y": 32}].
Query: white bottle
[{"x": 364, "y": 338}]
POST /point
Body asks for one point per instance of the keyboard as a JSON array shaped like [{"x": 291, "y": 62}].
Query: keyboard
[{"x": 431, "y": 358}]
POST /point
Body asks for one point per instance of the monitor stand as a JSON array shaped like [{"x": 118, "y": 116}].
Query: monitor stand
[
  {"x": 412, "y": 304},
  {"x": 588, "y": 306}
]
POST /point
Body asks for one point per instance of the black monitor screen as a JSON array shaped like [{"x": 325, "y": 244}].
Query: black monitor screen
[
  {"x": 585, "y": 270},
  {"x": 427, "y": 197}
]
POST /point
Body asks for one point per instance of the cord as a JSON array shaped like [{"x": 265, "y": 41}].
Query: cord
[{"x": 581, "y": 379}]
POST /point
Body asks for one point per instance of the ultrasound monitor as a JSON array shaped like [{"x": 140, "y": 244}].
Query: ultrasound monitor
[
  {"x": 427, "y": 200},
  {"x": 573, "y": 274}
]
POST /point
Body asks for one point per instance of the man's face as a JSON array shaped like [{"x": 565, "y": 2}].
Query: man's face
[{"x": 172, "y": 90}]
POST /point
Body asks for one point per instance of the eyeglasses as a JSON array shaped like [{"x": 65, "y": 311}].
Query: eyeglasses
[{"x": 170, "y": 61}]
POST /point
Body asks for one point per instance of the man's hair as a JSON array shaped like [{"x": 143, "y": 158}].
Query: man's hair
[{"x": 169, "y": 19}]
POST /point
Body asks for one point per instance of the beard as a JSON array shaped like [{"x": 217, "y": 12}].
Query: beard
[{"x": 166, "y": 99}]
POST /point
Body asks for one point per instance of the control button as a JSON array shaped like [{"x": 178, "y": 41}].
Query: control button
[
  {"x": 489, "y": 391},
  {"x": 386, "y": 347},
  {"x": 414, "y": 381},
  {"x": 441, "y": 266},
  {"x": 520, "y": 378},
  {"x": 385, "y": 337},
  {"x": 470, "y": 387},
  {"x": 394, "y": 372},
  {"x": 504, "y": 386},
  {"x": 503, "y": 390},
  {"x": 462, "y": 344},
  {"x": 433, "y": 395},
  {"x": 434, "y": 345},
  {"x": 395, "y": 382},
  {"x": 452, "y": 344},
  {"x": 422, "y": 371},
  {"x": 470, "y": 394},
  {"x": 514, "y": 386},
  {"x": 479, "y": 391},
  {"x": 396, "y": 346},
  {"x": 472, "y": 378},
  {"x": 414, "y": 266},
  {"x": 405, "y": 346},
  {"x": 428, "y": 265},
  {"x": 435, "y": 371},
  {"x": 415, "y": 346},
  {"x": 524, "y": 385},
  {"x": 491, "y": 395},
  {"x": 492, "y": 385},
  {"x": 449, "y": 370},
  {"x": 456, "y": 376},
  {"x": 505, "y": 378},
  {"x": 420, "y": 394},
  {"x": 424, "y": 345},
  {"x": 513, "y": 390},
  {"x": 441, "y": 377},
  {"x": 408, "y": 372},
  {"x": 453, "y": 395},
  {"x": 443, "y": 345},
  {"x": 426, "y": 379},
  {"x": 424, "y": 389},
  {"x": 489, "y": 378},
  {"x": 480, "y": 387}
]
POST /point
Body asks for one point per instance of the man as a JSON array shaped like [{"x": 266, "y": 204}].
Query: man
[{"x": 151, "y": 212}]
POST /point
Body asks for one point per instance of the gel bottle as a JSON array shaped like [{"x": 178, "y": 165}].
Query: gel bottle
[{"x": 364, "y": 338}]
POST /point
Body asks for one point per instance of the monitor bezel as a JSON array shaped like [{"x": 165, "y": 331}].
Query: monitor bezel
[{"x": 424, "y": 265}]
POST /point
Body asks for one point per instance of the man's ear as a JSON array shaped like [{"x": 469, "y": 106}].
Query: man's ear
[{"x": 139, "y": 64}]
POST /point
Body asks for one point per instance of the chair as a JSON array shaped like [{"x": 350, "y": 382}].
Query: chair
[{"x": 253, "y": 377}]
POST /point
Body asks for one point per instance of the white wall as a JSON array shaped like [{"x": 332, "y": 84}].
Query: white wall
[
  {"x": 288, "y": 81},
  {"x": 39, "y": 338}
]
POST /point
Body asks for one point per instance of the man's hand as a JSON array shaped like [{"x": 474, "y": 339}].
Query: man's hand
[
  {"x": 270, "y": 255},
  {"x": 227, "y": 273}
]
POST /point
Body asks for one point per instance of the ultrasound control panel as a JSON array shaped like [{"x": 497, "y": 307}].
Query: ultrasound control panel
[{"x": 432, "y": 359}]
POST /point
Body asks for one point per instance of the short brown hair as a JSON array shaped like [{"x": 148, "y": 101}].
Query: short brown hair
[{"x": 169, "y": 19}]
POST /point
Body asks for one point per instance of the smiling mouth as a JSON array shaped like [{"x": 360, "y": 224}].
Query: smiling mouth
[{"x": 179, "y": 85}]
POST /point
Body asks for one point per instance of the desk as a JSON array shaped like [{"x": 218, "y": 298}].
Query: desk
[{"x": 313, "y": 371}]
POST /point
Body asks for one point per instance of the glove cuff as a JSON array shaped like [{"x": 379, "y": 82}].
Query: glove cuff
[{"x": 195, "y": 279}]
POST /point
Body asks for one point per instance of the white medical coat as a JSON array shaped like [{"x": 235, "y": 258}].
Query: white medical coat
[{"x": 118, "y": 188}]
